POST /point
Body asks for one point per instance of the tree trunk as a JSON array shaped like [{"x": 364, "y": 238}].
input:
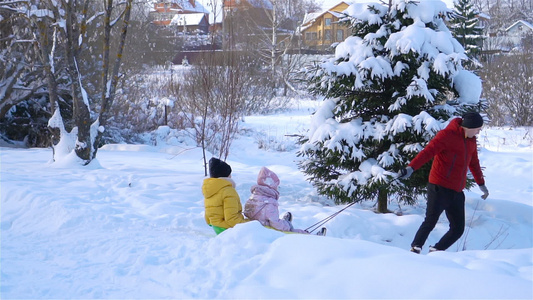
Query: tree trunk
[
  {"x": 47, "y": 57},
  {"x": 273, "y": 45},
  {"x": 108, "y": 95},
  {"x": 382, "y": 201},
  {"x": 82, "y": 115}
]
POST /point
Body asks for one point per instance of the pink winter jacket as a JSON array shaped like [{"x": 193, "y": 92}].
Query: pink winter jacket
[{"x": 263, "y": 203}]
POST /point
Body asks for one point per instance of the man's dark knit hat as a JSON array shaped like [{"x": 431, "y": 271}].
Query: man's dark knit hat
[
  {"x": 472, "y": 120},
  {"x": 218, "y": 168}
]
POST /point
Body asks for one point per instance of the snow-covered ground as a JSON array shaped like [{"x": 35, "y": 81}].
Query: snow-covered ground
[{"x": 131, "y": 225}]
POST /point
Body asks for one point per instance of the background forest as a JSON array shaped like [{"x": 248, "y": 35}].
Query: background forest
[{"x": 106, "y": 61}]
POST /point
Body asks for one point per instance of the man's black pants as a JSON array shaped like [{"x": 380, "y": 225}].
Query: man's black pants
[{"x": 441, "y": 199}]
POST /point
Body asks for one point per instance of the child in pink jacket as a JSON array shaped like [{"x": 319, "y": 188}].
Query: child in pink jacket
[{"x": 263, "y": 203}]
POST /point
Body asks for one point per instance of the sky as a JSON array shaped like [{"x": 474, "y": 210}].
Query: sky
[{"x": 131, "y": 225}]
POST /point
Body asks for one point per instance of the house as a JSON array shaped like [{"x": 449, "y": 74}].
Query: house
[
  {"x": 518, "y": 32},
  {"x": 483, "y": 20},
  {"x": 516, "y": 36},
  {"x": 320, "y": 30},
  {"x": 245, "y": 21},
  {"x": 165, "y": 11},
  {"x": 250, "y": 13},
  {"x": 196, "y": 22},
  {"x": 247, "y": 4}
]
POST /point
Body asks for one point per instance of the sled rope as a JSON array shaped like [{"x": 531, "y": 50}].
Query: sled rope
[{"x": 319, "y": 224}]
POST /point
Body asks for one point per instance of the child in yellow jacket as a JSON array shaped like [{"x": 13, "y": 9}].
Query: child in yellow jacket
[{"x": 223, "y": 208}]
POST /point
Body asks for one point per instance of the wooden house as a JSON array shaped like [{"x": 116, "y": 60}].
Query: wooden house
[
  {"x": 248, "y": 13},
  {"x": 320, "y": 30}
]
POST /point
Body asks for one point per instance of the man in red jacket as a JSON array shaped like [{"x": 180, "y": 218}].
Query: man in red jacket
[{"x": 454, "y": 150}]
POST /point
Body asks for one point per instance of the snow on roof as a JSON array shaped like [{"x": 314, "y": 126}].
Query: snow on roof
[
  {"x": 525, "y": 23},
  {"x": 188, "y": 6},
  {"x": 214, "y": 9},
  {"x": 187, "y": 19},
  {"x": 311, "y": 17},
  {"x": 337, "y": 14},
  {"x": 483, "y": 15}
]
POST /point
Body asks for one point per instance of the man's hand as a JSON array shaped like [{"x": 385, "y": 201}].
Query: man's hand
[
  {"x": 405, "y": 173},
  {"x": 485, "y": 191}
]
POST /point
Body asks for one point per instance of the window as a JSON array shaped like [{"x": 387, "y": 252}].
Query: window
[
  {"x": 310, "y": 36},
  {"x": 340, "y": 35},
  {"x": 327, "y": 35},
  {"x": 328, "y": 21}
]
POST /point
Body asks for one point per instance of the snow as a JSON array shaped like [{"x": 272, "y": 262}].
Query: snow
[
  {"x": 427, "y": 10},
  {"x": 131, "y": 225},
  {"x": 468, "y": 85},
  {"x": 187, "y": 19},
  {"x": 360, "y": 11},
  {"x": 326, "y": 4},
  {"x": 39, "y": 13},
  {"x": 427, "y": 36}
]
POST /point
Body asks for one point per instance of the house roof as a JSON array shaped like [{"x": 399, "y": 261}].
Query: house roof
[
  {"x": 520, "y": 22},
  {"x": 337, "y": 14},
  {"x": 310, "y": 18},
  {"x": 186, "y": 5},
  {"x": 187, "y": 19},
  {"x": 483, "y": 16}
]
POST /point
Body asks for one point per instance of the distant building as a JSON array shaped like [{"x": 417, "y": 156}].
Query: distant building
[
  {"x": 197, "y": 22},
  {"x": 189, "y": 14},
  {"x": 245, "y": 21},
  {"x": 320, "y": 30},
  {"x": 248, "y": 13},
  {"x": 516, "y": 36},
  {"x": 519, "y": 33}
]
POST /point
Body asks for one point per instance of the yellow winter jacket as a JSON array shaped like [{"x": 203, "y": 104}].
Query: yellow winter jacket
[{"x": 223, "y": 206}]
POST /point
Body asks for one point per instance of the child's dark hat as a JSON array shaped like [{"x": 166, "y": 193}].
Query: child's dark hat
[
  {"x": 218, "y": 168},
  {"x": 472, "y": 120}
]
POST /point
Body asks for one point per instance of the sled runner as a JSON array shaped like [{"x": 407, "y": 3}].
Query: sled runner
[{"x": 321, "y": 232}]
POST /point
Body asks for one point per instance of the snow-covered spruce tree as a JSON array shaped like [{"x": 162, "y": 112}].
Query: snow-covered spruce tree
[
  {"x": 464, "y": 26},
  {"x": 386, "y": 93}
]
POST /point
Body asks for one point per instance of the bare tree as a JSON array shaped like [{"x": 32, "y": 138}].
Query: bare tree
[
  {"x": 19, "y": 73},
  {"x": 211, "y": 98},
  {"x": 269, "y": 30},
  {"x": 507, "y": 87},
  {"x": 69, "y": 21},
  {"x": 110, "y": 76}
]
